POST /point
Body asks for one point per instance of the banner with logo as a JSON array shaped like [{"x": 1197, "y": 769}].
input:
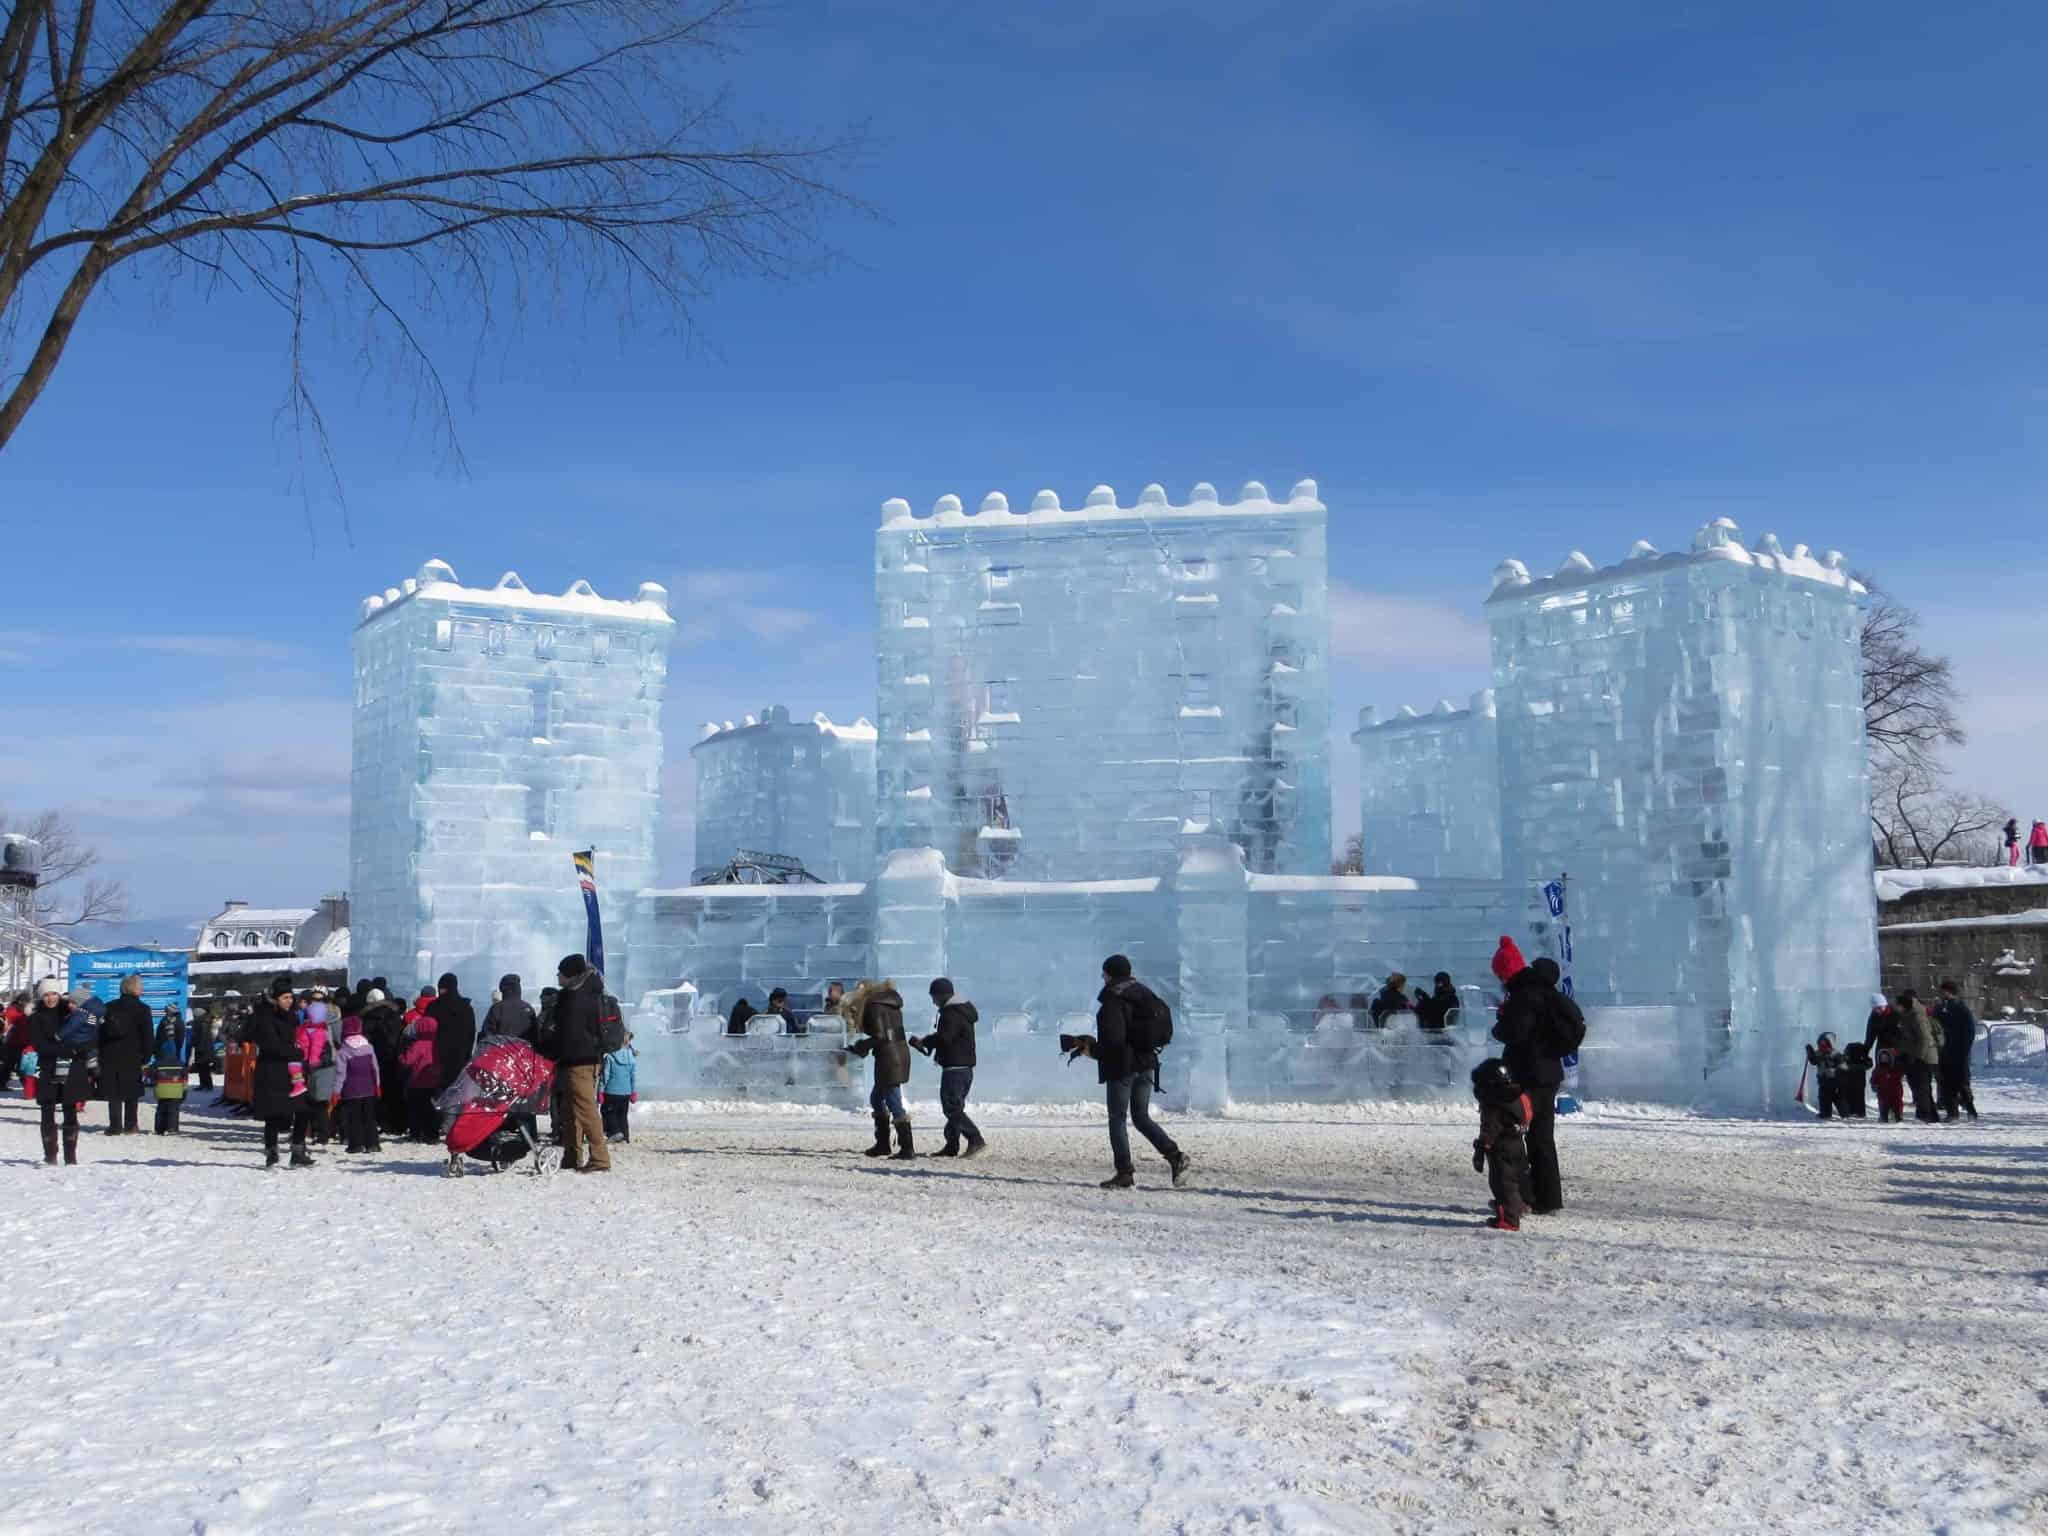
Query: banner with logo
[
  {"x": 1554, "y": 898},
  {"x": 586, "y": 876}
]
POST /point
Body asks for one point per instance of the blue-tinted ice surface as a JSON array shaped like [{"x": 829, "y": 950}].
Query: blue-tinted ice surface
[
  {"x": 496, "y": 732},
  {"x": 1429, "y": 791},
  {"x": 1062, "y": 690},
  {"x": 801, "y": 788},
  {"x": 1682, "y": 735}
]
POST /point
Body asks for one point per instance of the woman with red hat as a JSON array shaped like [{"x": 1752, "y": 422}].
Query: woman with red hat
[{"x": 1534, "y": 1019}]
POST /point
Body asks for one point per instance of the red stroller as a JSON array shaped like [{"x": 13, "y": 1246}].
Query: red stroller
[{"x": 495, "y": 1100}]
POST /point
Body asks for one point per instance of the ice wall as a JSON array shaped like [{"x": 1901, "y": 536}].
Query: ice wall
[
  {"x": 1429, "y": 791},
  {"x": 1683, "y": 736},
  {"x": 497, "y": 731},
  {"x": 805, "y": 788},
  {"x": 1063, "y": 689},
  {"x": 1261, "y": 971}
]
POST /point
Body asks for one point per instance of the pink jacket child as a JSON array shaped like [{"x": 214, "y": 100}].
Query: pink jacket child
[
  {"x": 2037, "y": 843},
  {"x": 313, "y": 1045}
]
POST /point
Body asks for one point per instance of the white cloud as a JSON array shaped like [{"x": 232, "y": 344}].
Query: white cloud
[
  {"x": 224, "y": 647},
  {"x": 1379, "y": 628}
]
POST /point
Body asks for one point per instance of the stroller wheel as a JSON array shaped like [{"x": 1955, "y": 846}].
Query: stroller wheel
[{"x": 546, "y": 1160}]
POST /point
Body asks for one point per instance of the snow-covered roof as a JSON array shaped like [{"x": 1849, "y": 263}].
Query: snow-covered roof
[
  {"x": 1368, "y": 718},
  {"x": 334, "y": 946},
  {"x": 1101, "y": 506},
  {"x": 1892, "y": 884},
  {"x": 289, "y": 965},
  {"x": 2036, "y": 918},
  {"x": 436, "y": 583},
  {"x": 860, "y": 729},
  {"x": 261, "y": 917},
  {"x": 1716, "y": 541}
]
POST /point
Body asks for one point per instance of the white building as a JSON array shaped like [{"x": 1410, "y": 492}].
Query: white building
[
  {"x": 497, "y": 732},
  {"x": 1429, "y": 791},
  {"x": 803, "y": 788},
  {"x": 1063, "y": 690}
]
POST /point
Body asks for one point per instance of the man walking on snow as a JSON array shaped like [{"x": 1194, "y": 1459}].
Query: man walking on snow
[
  {"x": 574, "y": 1038},
  {"x": 1128, "y": 1038}
]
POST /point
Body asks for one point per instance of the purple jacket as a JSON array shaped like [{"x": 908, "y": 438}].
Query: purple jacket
[{"x": 357, "y": 1062}]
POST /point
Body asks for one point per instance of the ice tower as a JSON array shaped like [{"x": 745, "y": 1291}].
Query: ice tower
[
  {"x": 1682, "y": 735},
  {"x": 1064, "y": 689},
  {"x": 1429, "y": 791},
  {"x": 805, "y": 788},
  {"x": 497, "y": 731}
]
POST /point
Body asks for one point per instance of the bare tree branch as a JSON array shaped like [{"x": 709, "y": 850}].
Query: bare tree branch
[
  {"x": 1909, "y": 695},
  {"x": 478, "y": 144},
  {"x": 1916, "y": 821}
]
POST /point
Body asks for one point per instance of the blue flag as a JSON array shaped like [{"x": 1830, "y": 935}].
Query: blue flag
[{"x": 586, "y": 875}]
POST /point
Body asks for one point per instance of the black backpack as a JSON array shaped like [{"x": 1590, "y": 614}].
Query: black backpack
[
  {"x": 1567, "y": 1025},
  {"x": 1151, "y": 1021},
  {"x": 611, "y": 1024}
]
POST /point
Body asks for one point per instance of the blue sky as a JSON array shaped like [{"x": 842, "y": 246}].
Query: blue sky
[{"x": 1503, "y": 279}]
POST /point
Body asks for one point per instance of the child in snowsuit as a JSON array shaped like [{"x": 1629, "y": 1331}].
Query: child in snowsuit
[
  {"x": 1827, "y": 1067},
  {"x": 31, "y": 1064},
  {"x": 361, "y": 1085},
  {"x": 173, "y": 1046},
  {"x": 1889, "y": 1082},
  {"x": 1850, "y": 1081},
  {"x": 616, "y": 1079},
  {"x": 1498, "y": 1150}
]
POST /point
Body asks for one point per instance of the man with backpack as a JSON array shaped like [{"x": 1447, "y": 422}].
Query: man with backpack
[
  {"x": 1132, "y": 1026},
  {"x": 584, "y": 1026},
  {"x": 1538, "y": 1026}
]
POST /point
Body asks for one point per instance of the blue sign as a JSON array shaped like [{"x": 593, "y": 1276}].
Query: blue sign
[{"x": 163, "y": 972}]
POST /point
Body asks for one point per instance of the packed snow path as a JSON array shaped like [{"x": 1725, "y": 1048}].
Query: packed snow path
[{"x": 749, "y": 1327}]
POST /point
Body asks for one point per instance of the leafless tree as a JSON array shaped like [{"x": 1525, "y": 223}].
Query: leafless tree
[
  {"x": 393, "y": 159},
  {"x": 1909, "y": 695},
  {"x": 1352, "y": 860},
  {"x": 1917, "y": 821},
  {"x": 70, "y": 894}
]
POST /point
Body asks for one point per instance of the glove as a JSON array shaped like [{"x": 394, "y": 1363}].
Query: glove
[{"x": 1478, "y": 1158}]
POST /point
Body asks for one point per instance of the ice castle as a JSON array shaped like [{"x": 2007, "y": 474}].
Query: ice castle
[
  {"x": 497, "y": 731},
  {"x": 1106, "y": 728}
]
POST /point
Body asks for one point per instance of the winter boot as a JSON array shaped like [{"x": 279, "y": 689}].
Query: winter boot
[
  {"x": 454, "y": 1169},
  {"x": 71, "y": 1149},
  {"x": 301, "y": 1158},
  {"x": 1181, "y": 1163},
  {"x": 881, "y": 1146},
  {"x": 975, "y": 1148},
  {"x": 904, "y": 1150},
  {"x": 1122, "y": 1179},
  {"x": 270, "y": 1157},
  {"x": 1503, "y": 1220},
  {"x": 50, "y": 1144}
]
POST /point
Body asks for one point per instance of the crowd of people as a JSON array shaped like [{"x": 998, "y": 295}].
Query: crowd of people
[
  {"x": 1907, "y": 1048},
  {"x": 356, "y": 1064}
]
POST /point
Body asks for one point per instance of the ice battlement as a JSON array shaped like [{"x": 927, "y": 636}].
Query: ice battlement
[
  {"x": 1718, "y": 540},
  {"x": 861, "y": 728},
  {"x": 1407, "y": 717},
  {"x": 435, "y": 582},
  {"x": 1102, "y": 506}
]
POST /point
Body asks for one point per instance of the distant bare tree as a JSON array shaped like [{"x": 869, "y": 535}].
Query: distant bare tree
[
  {"x": 70, "y": 893},
  {"x": 399, "y": 156},
  {"x": 1909, "y": 694},
  {"x": 1917, "y": 820},
  {"x": 1352, "y": 860}
]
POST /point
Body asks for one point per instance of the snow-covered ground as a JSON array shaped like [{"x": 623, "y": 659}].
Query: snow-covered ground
[{"x": 747, "y": 1327}]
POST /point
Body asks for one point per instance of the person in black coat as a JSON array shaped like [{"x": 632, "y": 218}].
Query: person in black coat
[
  {"x": 1532, "y": 1015},
  {"x": 1125, "y": 1068},
  {"x": 127, "y": 1036},
  {"x": 1958, "y": 1036},
  {"x": 572, "y": 1036},
  {"x": 274, "y": 1033},
  {"x": 202, "y": 1047},
  {"x": 454, "y": 1029},
  {"x": 1390, "y": 1000},
  {"x": 65, "y": 1078},
  {"x": 951, "y": 1045},
  {"x": 1434, "y": 1011},
  {"x": 875, "y": 1012},
  {"x": 511, "y": 1015}
]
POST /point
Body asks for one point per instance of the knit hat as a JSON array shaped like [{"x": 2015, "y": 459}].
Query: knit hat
[
  {"x": 448, "y": 983},
  {"x": 941, "y": 989},
  {"x": 1508, "y": 961},
  {"x": 375, "y": 997},
  {"x": 571, "y": 967},
  {"x": 279, "y": 986},
  {"x": 1117, "y": 968},
  {"x": 1879, "y": 1001},
  {"x": 508, "y": 986}
]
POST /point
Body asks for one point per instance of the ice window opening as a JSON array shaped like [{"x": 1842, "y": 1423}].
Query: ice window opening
[
  {"x": 998, "y": 577},
  {"x": 1197, "y": 690},
  {"x": 539, "y": 812},
  {"x": 544, "y": 642},
  {"x": 444, "y": 635},
  {"x": 600, "y": 647}
]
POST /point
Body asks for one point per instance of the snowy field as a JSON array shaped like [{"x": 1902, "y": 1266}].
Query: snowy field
[{"x": 1735, "y": 1327}]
